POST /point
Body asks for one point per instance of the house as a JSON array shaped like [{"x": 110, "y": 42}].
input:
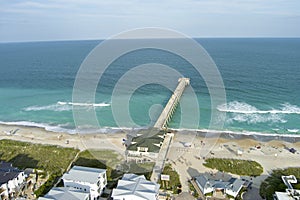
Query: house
[
  {"x": 145, "y": 146},
  {"x": 287, "y": 195},
  {"x": 63, "y": 193},
  {"x": 208, "y": 183},
  {"x": 87, "y": 180},
  {"x": 11, "y": 180},
  {"x": 135, "y": 187},
  {"x": 290, "y": 193},
  {"x": 234, "y": 187}
]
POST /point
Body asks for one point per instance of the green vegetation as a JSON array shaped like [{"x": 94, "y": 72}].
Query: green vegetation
[
  {"x": 42, "y": 190},
  {"x": 209, "y": 194},
  {"x": 104, "y": 159},
  {"x": 52, "y": 159},
  {"x": 141, "y": 169},
  {"x": 174, "y": 183},
  {"x": 235, "y": 166},
  {"x": 239, "y": 196},
  {"x": 274, "y": 182},
  {"x": 193, "y": 190},
  {"x": 99, "y": 158}
]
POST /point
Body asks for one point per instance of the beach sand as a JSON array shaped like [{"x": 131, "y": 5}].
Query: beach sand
[
  {"x": 78, "y": 141},
  {"x": 273, "y": 152}
]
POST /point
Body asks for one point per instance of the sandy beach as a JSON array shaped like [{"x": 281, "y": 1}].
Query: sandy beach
[
  {"x": 186, "y": 153},
  {"x": 78, "y": 141},
  {"x": 271, "y": 154}
]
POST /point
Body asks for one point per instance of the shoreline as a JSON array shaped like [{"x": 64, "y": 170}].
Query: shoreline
[
  {"x": 114, "y": 140},
  {"x": 109, "y": 130}
]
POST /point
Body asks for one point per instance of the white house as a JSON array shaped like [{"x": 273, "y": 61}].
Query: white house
[
  {"x": 290, "y": 193},
  {"x": 86, "y": 179},
  {"x": 204, "y": 185},
  {"x": 64, "y": 193},
  {"x": 234, "y": 187},
  {"x": 134, "y": 187},
  {"x": 11, "y": 179}
]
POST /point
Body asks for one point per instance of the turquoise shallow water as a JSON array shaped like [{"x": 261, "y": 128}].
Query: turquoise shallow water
[{"x": 261, "y": 77}]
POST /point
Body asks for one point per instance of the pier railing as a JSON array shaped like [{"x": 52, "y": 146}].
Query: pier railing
[{"x": 168, "y": 111}]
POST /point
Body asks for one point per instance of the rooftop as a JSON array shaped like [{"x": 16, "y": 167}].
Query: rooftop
[
  {"x": 83, "y": 174},
  {"x": 205, "y": 181},
  {"x": 150, "y": 139},
  {"x": 290, "y": 193},
  {"x": 7, "y": 172},
  {"x": 64, "y": 193},
  {"x": 132, "y": 186}
]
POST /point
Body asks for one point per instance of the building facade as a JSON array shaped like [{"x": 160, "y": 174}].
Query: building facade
[
  {"x": 11, "y": 180},
  {"x": 87, "y": 180}
]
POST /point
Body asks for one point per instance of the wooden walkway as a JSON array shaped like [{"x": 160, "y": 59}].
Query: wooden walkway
[
  {"x": 162, "y": 123},
  {"x": 170, "y": 108}
]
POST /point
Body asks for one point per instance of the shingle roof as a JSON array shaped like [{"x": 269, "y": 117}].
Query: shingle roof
[
  {"x": 151, "y": 139},
  {"x": 202, "y": 181},
  {"x": 64, "y": 193},
  {"x": 232, "y": 184},
  {"x": 132, "y": 186},
  {"x": 7, "y": 172},
  {"x": 84, "y": 174},
  {"x": 236, "y": 185}
]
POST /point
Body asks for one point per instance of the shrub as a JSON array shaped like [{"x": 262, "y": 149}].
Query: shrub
[{"x": 235, "y": 166}]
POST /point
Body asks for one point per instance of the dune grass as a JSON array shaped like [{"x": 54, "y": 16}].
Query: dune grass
[
  {"x": 53, "y": 160},
  {"x": 235, "y": 166},
  {"x": 174, "y": 183}
]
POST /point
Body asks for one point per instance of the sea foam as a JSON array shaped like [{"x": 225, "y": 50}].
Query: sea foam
[
  {"x": 246, "y": 113},
  {"x": 244, "y": 108},
  {"x": 64, "y": 106},
  {"x": 47, "y": 127}
]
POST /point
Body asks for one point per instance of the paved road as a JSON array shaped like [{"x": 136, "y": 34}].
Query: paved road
[{"x": 252, "y": 194}]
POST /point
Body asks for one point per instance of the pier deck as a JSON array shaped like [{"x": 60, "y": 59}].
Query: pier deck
[
  {"x": 169, "y": 109},
  {"x": 162, "y": 123}
]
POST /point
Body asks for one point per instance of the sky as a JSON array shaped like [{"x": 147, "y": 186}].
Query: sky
[{"x": 47, "y": 20}]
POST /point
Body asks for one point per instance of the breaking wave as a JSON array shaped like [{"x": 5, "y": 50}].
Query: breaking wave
[
  {"x": 84, "y": 104},
  {"x": 245, "y": 113},
  {"x": 47, "y": 127},
  {"x": 52, "y": 107},
  {"x": 64, "y": 106},
  {"x": 256, "y": 118},
  {"x": 244, "y": 108}
]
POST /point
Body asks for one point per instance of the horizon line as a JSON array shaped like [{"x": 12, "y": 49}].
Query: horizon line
[{"x": 204, "y": 37}]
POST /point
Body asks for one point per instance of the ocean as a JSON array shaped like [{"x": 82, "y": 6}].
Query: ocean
[{"x": 261, "y": 78}]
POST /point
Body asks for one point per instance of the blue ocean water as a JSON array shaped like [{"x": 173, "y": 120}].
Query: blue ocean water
[{"x": 261, "y": 78}]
